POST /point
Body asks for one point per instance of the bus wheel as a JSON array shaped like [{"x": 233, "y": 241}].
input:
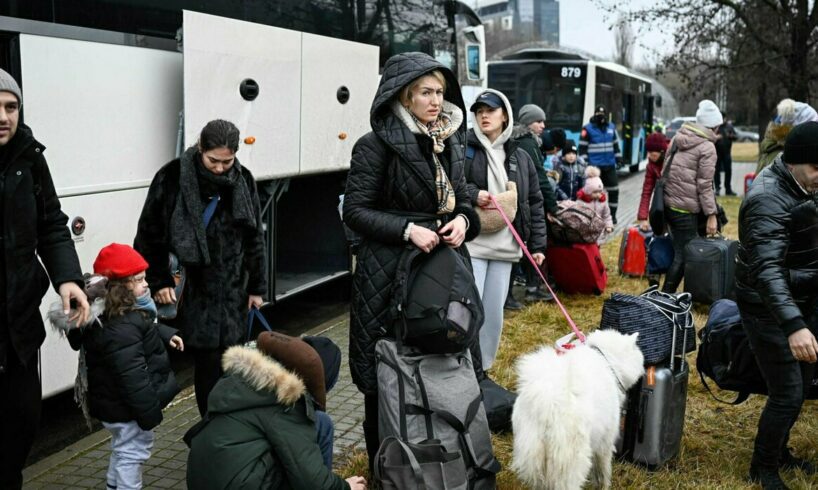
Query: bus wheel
[{"x": 634, "y": 168}]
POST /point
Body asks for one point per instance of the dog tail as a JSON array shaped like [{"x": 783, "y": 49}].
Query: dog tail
[{"x": 550, "y": 446}]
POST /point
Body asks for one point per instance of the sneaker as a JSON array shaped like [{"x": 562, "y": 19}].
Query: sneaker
[
  {"x": 730, "y": 193},
  {"x": 538, "y": 295},
  {"x": 767, "y": 477},
  {"x": 790, "y": 462},
  {"x": 512, "y": 304}
]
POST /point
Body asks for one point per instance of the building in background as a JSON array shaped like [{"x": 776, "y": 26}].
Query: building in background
[{"x": 510, "y": 22}]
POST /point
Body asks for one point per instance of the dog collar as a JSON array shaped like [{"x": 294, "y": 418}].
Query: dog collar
[{"x": 610, "y": 366}]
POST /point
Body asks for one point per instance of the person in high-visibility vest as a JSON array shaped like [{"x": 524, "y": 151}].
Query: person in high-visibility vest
[{"x": 599, "y": 145}]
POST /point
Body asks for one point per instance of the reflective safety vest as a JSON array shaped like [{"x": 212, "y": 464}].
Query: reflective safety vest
[{"x": 601, "y": 145}]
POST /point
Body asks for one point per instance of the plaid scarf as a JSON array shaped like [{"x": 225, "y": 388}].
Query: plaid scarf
[{"x": 439, "y": 130}]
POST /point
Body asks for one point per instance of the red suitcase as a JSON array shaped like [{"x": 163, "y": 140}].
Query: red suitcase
[
  {"x": 748, "y": 181},
  {"x": 577, "y": 268},
  {"x": 632, "y": 253}
]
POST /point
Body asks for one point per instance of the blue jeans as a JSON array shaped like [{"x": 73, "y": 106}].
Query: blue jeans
[
  {"x": 326, "y": 434},
  {"x": 130, "y": 449}
]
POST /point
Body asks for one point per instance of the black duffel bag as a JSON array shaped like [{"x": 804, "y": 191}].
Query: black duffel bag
[
  {"x": 725, "y": 355},
  {"x": 657, "y": 317},
  {"x": 499, "y": 403}
]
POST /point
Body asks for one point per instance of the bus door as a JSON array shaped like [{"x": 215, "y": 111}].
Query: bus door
[{"x": 628, "y": 128}]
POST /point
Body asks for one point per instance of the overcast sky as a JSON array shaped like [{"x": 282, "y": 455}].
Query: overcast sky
[{"x": 585, "y": 26}]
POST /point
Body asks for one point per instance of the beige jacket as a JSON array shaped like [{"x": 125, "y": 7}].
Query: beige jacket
[{"x": 690, "y": 183}]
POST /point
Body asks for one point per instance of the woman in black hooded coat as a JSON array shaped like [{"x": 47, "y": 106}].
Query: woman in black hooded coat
[{"x": 411, "y": 162}]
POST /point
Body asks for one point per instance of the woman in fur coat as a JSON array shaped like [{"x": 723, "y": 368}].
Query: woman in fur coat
[{"x": 223, "y": 261}]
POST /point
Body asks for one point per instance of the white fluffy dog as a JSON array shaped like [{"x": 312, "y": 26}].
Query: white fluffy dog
[{"x": 566, "y": 418}]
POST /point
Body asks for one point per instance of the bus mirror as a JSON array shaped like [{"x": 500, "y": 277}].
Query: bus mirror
[
  {"x": 658, "y": 101},
  {"x": 473, "y": 61}
]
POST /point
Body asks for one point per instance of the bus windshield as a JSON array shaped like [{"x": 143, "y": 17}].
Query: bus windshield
[{"x": 558, "y": 88}]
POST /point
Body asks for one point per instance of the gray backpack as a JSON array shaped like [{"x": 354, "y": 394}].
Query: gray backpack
[{"x": 435, "y": 396}]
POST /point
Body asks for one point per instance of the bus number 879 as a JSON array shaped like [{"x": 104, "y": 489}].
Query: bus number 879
[{"x": 571, "y": 72}]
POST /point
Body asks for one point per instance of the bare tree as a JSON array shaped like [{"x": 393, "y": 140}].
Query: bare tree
[
  {"x": 624, "y": 39},
  {"x": 766, "y": 47}
]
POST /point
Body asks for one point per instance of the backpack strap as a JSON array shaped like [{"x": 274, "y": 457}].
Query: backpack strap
[
  {"x": 470, "y": 151},
  {"x": 740, "y": 398}
]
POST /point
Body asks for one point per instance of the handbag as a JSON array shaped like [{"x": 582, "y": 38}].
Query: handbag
[
  {"x": 424, "y": 465},
  {"x": 491, "y": 222},
  {"x": 168, "y": 311},
  {"x": 656, "y": 216},
  {"x": 658, "y": 317}
]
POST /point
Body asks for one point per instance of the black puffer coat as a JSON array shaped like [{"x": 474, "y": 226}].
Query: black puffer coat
[
  {"x": 32, "y": 225},
  {"x": 392, "y": 170},
  {"x": 777, "y": 262},
  {"x": 129, "y": 373},
  {"x": 530, "y": 218},
  {"x": 213, "y": 309}
]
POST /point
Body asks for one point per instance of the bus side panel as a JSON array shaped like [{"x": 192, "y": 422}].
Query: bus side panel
[
  {"x": 329, "y": 128},
  {"x": 109, "y": 217},
  {"x": 108, "y": 114},
  {"x": 219, "y": 54}
]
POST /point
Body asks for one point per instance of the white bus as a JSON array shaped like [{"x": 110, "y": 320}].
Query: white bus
[
  {"x": 569, "y": 86},
  {"x": 117, "y": 88}
]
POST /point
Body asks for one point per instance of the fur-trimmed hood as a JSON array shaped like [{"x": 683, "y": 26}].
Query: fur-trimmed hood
[
  {"x": 253, "y": 379},
  {"x": 520, "y": 131}
]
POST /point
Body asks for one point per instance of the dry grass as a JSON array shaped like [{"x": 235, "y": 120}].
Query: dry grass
[
  {"x": 718, "y": 438},
  {"x": 745, "y": 152}
]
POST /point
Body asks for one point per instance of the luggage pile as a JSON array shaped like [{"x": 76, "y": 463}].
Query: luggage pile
[
  {"x": 432, "y": 424},
  {"x": 653, "y": 416}
]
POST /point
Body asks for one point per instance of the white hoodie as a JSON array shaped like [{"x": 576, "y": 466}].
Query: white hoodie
[{"x": 501, "y": 244}]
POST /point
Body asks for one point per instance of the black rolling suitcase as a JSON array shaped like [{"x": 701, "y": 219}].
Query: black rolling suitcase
[
  {"x": 710, "y": 266},
  {"x": 654, "y": 412}
]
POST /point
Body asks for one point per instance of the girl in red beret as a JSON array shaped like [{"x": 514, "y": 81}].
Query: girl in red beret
[{"x": 123, "y": 352}]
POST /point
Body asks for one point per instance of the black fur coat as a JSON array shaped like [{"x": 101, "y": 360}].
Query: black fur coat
[{"x": 213, "y": 308}]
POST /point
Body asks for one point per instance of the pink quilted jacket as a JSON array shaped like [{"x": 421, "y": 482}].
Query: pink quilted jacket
[{"x": 690, "y": 183}]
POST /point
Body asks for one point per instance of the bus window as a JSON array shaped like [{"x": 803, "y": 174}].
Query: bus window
[
  {"x": 560, "y": 93},
  {"x": 473, "y": 61}
]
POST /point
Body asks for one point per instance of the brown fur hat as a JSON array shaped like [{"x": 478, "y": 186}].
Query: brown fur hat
[{"x": 300, "y": 358}]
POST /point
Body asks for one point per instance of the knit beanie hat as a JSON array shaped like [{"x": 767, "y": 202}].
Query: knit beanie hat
[
  {"x": 547, "y": 142},
  {"x": 300, "y": 358},
  {"x": 570, "y": 147},
  {"x": 9, "y": 84},
  {"x": 558, "y": 137},
  {"x": 592, "y": 181},
  {"x": 801, "y": 145},
  {"x": 117, "y": 261},
  {"x": 530, "y": 113},
  {"x": 656, "y": 142},
  {"x": 708, "y": 114},
  {"x": 794, "y": 113}
]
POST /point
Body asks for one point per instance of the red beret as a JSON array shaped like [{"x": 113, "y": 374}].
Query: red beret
[
  {"x": 656, "y": 142},
  {"x": 117, "y": 261}
]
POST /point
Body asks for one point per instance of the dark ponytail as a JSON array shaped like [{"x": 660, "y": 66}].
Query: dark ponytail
[{"x": 219, "y": 134}]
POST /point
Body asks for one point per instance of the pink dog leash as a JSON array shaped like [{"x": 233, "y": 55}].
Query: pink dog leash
[{"x": 576, "y": 331}]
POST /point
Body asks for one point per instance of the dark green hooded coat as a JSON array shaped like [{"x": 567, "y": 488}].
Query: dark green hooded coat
[{"x": 261, "y": 431}]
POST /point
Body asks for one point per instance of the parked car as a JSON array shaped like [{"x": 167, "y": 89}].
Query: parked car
[
  {"x": 745, "y": 134},
  {"x": 675, "y": 124}
]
